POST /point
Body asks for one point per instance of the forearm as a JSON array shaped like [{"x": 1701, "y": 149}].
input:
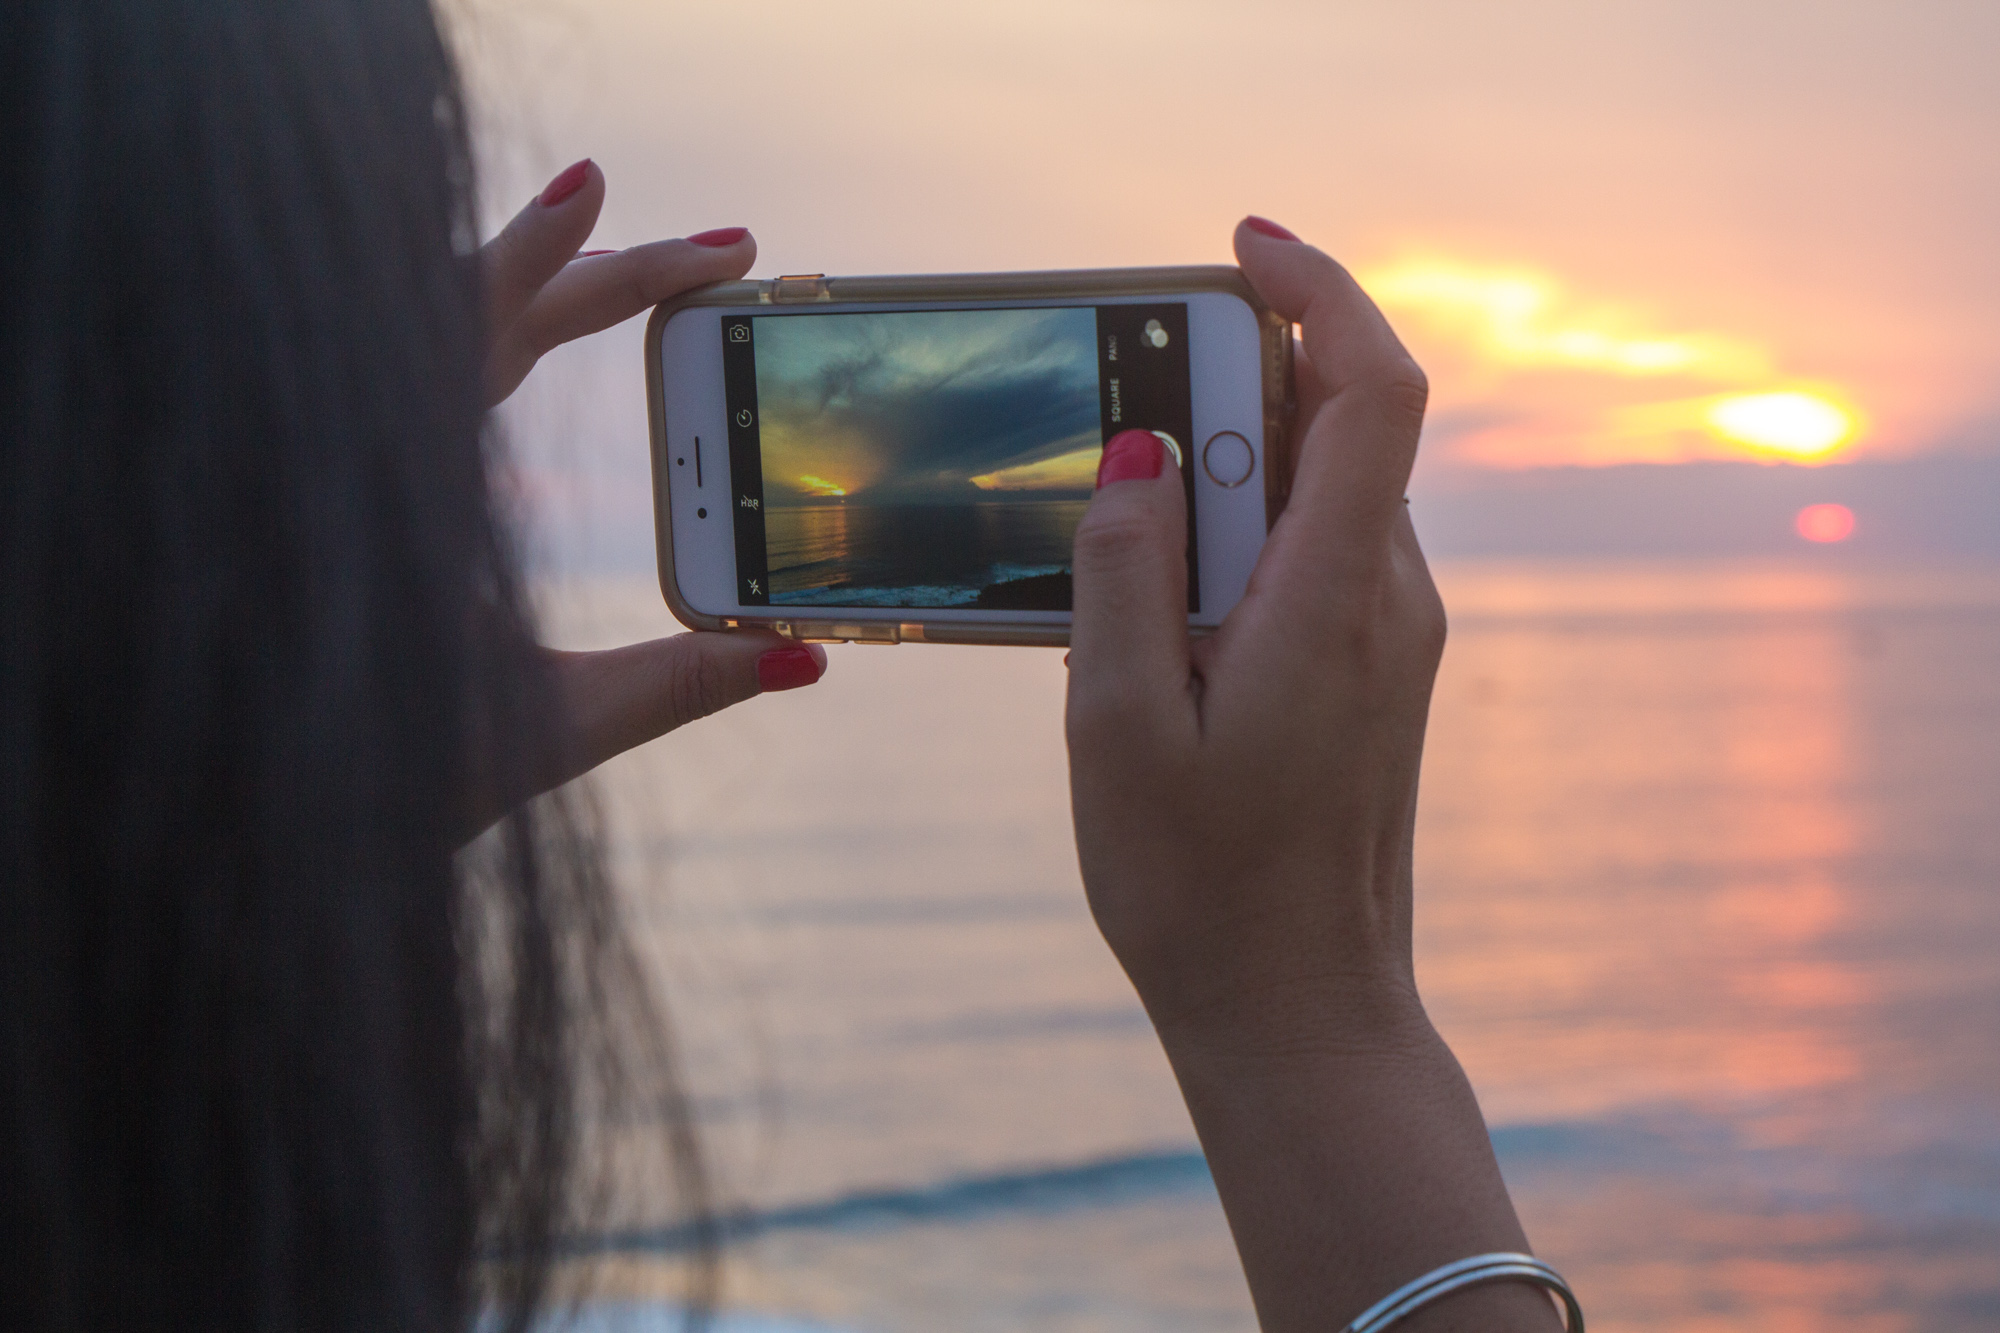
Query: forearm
[{"x": 1351, "y": 1157}]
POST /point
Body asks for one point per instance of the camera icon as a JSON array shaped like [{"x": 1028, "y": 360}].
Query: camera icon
[
  {"x": 739, "y": 333},
  {"x": 743, "y": 417}
]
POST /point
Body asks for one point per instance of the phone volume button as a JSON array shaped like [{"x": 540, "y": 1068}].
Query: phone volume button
[
  {"x": 835, "y": 631},
  {"x": 866, "y": 633},
  {"x": 801, "y": 287}
]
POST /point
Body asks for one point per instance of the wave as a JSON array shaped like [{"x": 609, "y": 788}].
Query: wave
[
  {"x": 915, "y": 596},
  {"x": 656, "y": 1317},
  {"x": 1096, "y": 1184},
  {"x": 1125, "y": 1020},
  {"x": 1927, "y": 1181}
]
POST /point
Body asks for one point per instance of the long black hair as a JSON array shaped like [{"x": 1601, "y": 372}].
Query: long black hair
[{"x": 270, "y": 1056}]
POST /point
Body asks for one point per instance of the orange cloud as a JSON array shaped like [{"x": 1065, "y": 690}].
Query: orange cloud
[
  {"x": 1522, "y": 318},
  {"x": 1075, "y": 470},
  {"x": 1559, "y": 380}
]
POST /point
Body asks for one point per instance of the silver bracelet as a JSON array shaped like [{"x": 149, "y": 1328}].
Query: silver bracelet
[{"x": 1411, "y": 1297}]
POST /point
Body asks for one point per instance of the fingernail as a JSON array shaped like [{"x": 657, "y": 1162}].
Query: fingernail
[
  {"x": 788, "y": 668},
  {"x": 720, "y": 237},
  {"x": 585, "y": 254},
  {"x": 1266, "y": 227},
  {"x": 1130, "y": 455},
  {"x": 567, "y": 182}
]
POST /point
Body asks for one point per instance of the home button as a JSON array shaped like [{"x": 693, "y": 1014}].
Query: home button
[{"x": 1227, "y": 459}]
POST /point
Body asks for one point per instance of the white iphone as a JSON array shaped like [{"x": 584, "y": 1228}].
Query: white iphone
[{"x": 906, "y": 458}]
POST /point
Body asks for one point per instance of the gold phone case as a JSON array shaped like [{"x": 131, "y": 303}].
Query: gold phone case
[{"x": 818, "y": 289}]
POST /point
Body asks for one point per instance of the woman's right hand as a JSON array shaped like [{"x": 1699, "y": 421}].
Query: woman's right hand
[
  {"x": 1244, "y": 809},
  {"x": 1244, "y": 802}
]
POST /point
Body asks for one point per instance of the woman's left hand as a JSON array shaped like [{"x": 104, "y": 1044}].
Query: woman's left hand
[{"x": 543, "y": 290}]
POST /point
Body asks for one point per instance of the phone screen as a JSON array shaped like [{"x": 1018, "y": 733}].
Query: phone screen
[{"x": 938, "y": 458}]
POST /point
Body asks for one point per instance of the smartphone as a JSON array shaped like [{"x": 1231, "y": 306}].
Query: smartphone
[{"x": 905, "y": 459}]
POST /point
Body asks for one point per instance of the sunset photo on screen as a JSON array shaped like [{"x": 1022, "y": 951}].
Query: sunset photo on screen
[{"x": 927, "y": 458}]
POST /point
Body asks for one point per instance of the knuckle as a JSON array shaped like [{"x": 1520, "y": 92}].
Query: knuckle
[
  {"x": 502, "y": 256},
  {"x": 1114, "y": 541},
  {"x": 697, "y": 687},
  {"x": 1432, "y": 629},
  {"x": 1405, "y": 389},
  {"x": 493, "y": 254},
  {"x": 644, "y": 287}
]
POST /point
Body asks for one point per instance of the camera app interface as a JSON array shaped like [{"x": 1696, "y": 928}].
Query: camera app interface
[{"x": 937, "y": 458}]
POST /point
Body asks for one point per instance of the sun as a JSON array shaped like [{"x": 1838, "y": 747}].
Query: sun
[
  {"x": 1794, "y": 423},
  {"x": 1825, "y": 524},
  {"x": 821, "y": 486}
]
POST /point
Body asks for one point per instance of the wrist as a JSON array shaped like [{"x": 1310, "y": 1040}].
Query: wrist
[
  {"x": 1350, "y": 1156},
  {"x": 1352, "y": 1028},
  {"x": 1318, "y": 1012}
]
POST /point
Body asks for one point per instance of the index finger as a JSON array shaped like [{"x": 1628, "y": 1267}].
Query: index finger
[
  {"x": 1355, "y": 456},
  {"x": 597, "y": 291},
  {"x": 535, "y": 244}
]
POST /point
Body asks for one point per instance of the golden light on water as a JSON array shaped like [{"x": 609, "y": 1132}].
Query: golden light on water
[{"x": 1795, "y": 424}]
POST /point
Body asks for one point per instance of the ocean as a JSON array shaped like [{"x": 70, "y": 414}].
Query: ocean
[
  {"x": 858, "y": 554},
  {"x": 1708, "y": 902}
]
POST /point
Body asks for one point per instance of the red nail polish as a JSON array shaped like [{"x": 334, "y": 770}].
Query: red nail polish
[
  {"x": 1130, "y": 455},
  {"x": 1266, "y": 227},
  {"x": 567, "y": 182},
  {"x": 787, "y": 668},
  {"x": 720, "y": 237}
]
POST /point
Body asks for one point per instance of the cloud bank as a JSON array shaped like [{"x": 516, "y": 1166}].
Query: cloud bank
[{"x": 909, "y": 407}]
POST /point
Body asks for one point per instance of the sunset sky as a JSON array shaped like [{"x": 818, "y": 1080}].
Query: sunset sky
[
  {"x": 1611, "y": 232},
  {"x": 1707, "y": 797},
  {"x": 928, "y": 406}
]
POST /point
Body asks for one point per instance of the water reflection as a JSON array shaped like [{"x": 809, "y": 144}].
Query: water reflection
[
  {"x": 1706, "y": 869},
  {"x": 854, "y": 553},
  {"x": 1665, "y": 781}
]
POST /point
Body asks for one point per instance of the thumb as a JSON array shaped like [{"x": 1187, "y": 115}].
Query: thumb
[
  {"x": 624, "y": 697},
  {"x": 1128, "y": 636},
  {"x": 703, "y": 673}
]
